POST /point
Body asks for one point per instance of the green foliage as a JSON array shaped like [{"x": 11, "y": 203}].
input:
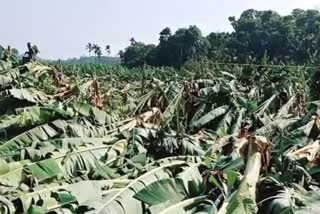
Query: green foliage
[
  {"x": 258, "y": 36},
  {"x": 109, "y": 139},
  {"x": 173, "y": 50},
  {"x": 137, "y": 54}
]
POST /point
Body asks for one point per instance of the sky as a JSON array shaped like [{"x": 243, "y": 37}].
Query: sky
[{"x": 62, "y": 28}]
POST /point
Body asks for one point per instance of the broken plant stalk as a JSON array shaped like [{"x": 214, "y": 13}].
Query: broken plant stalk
[{"x": 257, "y": 153}]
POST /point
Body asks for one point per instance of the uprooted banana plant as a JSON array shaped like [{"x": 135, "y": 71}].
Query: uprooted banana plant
[{"x": 93, "y": 143}]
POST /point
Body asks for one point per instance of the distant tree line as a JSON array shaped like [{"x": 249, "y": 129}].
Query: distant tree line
[
  {"x": 257, "y": 35},
  {"x": 97, "y": 57},
  {"x": 108, "y": 60}
]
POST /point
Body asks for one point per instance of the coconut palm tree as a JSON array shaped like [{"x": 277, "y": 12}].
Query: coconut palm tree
[
  {"x": 107, "y": 49},
  {"x": 97, "y": 51},
  {"x": 89, "y": 48}
]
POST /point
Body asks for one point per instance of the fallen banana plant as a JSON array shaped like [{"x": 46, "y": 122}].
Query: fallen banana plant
[
  {"x": 95, "y": 140},
  {"x": 257, "y": 156}
]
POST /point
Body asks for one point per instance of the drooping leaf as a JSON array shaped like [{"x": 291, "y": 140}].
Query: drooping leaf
[{"x": 210, "y": 117}]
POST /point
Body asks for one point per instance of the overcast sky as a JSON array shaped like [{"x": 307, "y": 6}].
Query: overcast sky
[{"x": 62, "y": 28}]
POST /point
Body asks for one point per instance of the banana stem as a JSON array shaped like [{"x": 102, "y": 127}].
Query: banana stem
[
  {"x": 252, "y": 172},
  {"x": 244, "y": 199}
]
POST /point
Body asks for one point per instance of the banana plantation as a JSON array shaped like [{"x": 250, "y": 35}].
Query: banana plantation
[{"x": 207, "y": 139}]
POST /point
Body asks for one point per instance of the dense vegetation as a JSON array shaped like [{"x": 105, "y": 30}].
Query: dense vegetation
[
  {"x": 204, "y": 138},
  {"x": 258, "y": 35}
]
